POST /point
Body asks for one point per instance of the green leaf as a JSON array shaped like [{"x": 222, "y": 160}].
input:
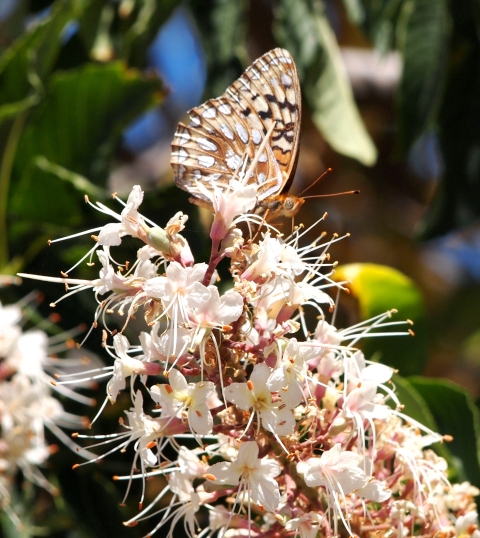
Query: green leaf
[
  {"x": 147, "y": 19},
  {"x": 417, "y": 408},
  {"x": 223, "y": 27},
  {"x": 456, "y": 203},
  {"x": 303, "y": 28},
  {"x": 414, "y": 405},
  {"x": 83, "y": 115},
  {"x": 456, "y": 414},
  {"x": 51, "y": 194},
  {"x": 378, "y": 289},
  {"x": 380, "y": 22},
  {"x": 423, "y": 38},
  {"x": 10, "y": 110},
  {"x": 25, "y": 65}
]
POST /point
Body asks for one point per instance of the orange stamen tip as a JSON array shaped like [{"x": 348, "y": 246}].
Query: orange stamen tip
[
  {"x": 169, "y": 389},
  {"x": 49, "y": 242},
  {"x": 131, "y": 523},
  {"x": 227, "y": 328},
  {"x": 140, "y": 506},
  {"x": 210, "y": 477},
  {"x": 75, "y": 466},
  {"x": 74, "y": 435},
  {"x": 64, "y": 274},
  {"x": 410, "y": 332},
  {"x": 447, "y": 438},
  {"x": 53, "y": 383},
  {"x": 151, "y": 444},
  {"x": 250, "y": 385},
  {"x": 115, "y": 477}
]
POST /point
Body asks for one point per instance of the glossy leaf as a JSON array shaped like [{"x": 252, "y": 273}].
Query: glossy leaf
[
  {"x": 24, "y": 65},
  {"x": 417, "y": 408},
  {"x": 223, "y": 27},
  {"x": 378, "y": 289},
  {"x": 457, "y": 199},
  {"x": 380, "y": 22},
  {"x": 455, "y": 414},
  {"x": 147, "y": 19},
  {"x": 76, "y": 129},
  {"x": 83, "y": 115},
  {"x": 51, "y": 194},
  {"x": 423, "y": 39},
  {"x": 303, "y": 28}
]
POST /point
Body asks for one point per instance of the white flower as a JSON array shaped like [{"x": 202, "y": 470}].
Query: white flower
[
  {"x": 227, "y": 205},
  {"x": 174, "y": 288},
  {"x": 207, "y": 309},
  {"x": 287, "y": 378},
  {"x": 9, "y": 331},
  {"x": 181, "y": 396},
  {"x": 254, "y": 474},
  {"x": 126, "y": 366},
  {"x": 467, "y": 525},
  {"x": 190, "y": 464},
  {"x": 307, "y": 525},
  {"x": 336, "y": 470},
  {"x": 111, "y": 234},
  {"x": 276, "y": 417},
  {"x": 145, "y": 429}
]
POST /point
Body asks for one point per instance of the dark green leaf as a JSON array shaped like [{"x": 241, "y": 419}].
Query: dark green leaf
[
  {"x": 414, "y": 405},
  {"x": 10, "y": 110},
  {"x": 50, "y": 194},
  {"x": 379, "y": 288},
  {"x": 146, "y": 20},
  {"x": 457, "y": 199},
  {"x": 423, "y": 39},
  {"x": 303, "y": 28},
  {"x": 455, "y": 414},
  {"x": 24, "y": 66},
  {"x": 223, "y": 27},
  {"x": 416, "y": 408},
  {"x": 82, "y": 117},
  {"x": 380, "y": 22}
]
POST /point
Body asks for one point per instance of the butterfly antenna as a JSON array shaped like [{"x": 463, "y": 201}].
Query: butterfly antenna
[
  {"x": 327, "y": 171},
  {"x": 334, "y": 194}
]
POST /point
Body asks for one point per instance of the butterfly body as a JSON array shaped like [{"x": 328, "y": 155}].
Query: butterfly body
[{"x": 227, "y": 133}]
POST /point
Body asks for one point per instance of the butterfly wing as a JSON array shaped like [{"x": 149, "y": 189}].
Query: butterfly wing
[{"x": 225, "y": 131}]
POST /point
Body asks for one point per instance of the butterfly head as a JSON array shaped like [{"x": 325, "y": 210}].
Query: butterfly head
[{"x": 280, "y": 205}]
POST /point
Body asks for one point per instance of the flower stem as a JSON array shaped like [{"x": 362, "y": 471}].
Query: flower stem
[{"x": 215, "y": 258}]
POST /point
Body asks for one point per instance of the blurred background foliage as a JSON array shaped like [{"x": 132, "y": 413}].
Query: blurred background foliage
[{"x": 90, "y": 95}]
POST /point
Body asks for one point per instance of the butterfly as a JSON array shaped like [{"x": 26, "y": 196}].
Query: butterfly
[{"x": 225, "y": 134}]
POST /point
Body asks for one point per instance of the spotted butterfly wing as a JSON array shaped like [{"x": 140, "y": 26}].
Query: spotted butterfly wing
[{"x": 225, "y": 133}]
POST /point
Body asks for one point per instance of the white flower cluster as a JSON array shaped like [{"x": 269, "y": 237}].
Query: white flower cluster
[
  {"x": 297, "y": 435},
  {"x": 28, "y": 359}
]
